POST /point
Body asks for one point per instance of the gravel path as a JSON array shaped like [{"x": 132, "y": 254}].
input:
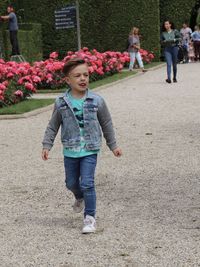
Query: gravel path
[{"x": 148, "y": 210}]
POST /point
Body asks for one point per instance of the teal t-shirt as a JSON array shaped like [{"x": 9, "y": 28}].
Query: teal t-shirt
[{"x": 77, "y": 105}]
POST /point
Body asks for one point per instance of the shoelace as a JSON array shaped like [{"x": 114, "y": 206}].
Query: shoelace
[{"x": 87, "y": 221}]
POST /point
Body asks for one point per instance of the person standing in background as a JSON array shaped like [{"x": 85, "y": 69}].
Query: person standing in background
[
  {"x": 170, "y": 39},
  {"x": 13, "y": 29},
  {"x": 134, "y": 49},
  {"x": 186, "y": 36},
  {"x": 196, "y": 39},
  {"x": 191, "y": 51}
]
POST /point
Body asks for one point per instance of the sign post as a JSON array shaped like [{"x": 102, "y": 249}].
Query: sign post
[
  {"x": 68, "y": 17},
  {"x": 78, "y": 25}
]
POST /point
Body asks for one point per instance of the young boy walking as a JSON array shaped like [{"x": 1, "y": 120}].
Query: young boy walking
[{"x": 82, "y": 115}]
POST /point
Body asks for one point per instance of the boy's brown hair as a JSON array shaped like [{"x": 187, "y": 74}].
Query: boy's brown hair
[{"x": 72, "y": 64}]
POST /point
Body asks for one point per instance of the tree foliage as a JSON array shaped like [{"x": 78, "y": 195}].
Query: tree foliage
[{"x": 177, "y": 11}]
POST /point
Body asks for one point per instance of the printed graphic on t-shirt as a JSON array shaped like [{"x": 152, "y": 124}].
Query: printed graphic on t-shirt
[
  {"x": 80, "y": 151},
  {"x": 79, "y": 116}
]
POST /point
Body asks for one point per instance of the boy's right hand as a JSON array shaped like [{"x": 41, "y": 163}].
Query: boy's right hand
[
  {"x": 117, "y": 152},
  {"x": 45, "y": 154}
]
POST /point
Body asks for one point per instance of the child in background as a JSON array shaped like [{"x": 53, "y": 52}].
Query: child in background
[
  {"x": 191, "y": 52},
  {"x": 82, "y": 115}
]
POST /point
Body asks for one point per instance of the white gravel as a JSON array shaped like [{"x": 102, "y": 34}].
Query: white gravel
[{"x": 148, "y": 211}]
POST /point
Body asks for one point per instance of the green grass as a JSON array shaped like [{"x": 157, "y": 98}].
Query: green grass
[
  {"x": 107, "y": 80},
  {"x": 113, "y": 78},
  {"x": 152, "y": 64},
  {"x": 26, "y": 106},
  {"x": 32, "y": 104}
]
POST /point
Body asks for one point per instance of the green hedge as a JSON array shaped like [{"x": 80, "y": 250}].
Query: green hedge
[
  {"x": 30, "y": 42},
  {"x": 105, "y": 25},
  {"x": 178, "y": 11},
  {"x": 3, "y": 6},
  {"x": 198, "y": 20}
]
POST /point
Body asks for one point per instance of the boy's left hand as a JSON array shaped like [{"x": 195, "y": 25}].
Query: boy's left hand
[{"x": 117, "y": 152}]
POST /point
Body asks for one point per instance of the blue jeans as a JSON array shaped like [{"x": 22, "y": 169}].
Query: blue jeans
[
  {"x": 133, "y": 56},
  {"x": 79, "y": 173},
  {"x": 171, "y": 56}
]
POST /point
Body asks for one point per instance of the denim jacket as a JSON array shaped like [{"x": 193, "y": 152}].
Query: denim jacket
[{"x": 96, "y": 117}]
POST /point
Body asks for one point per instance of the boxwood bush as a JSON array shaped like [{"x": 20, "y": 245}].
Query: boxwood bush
[{"x": 105, "y": 25}]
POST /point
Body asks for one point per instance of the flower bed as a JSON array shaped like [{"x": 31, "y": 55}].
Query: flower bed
[{"x": 20, "y": 80}]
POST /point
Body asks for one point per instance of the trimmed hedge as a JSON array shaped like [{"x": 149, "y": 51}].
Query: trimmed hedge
[
  {"x": 105, "y": 25},
  {"x": 198, "y": 15},
  {"x": 30, "y": 42},
  {"x": 3, "y": 6},
  {"x": 178, "y": 11}
]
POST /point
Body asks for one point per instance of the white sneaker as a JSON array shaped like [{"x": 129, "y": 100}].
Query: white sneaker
[
  {"x": 78, "y": 205},
  {"x": 89, "y": 225}
]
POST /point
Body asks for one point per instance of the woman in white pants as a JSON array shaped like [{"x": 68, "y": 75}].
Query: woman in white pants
[{"x": 134, "y": 49}]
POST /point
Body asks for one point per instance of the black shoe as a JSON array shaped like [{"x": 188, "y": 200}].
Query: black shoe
[
  {"x": 175, "y": 80},
  {"x": 168, "y": 80}
]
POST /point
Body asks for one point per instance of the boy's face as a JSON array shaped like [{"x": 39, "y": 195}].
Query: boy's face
[{"x": 78, "y": 78}]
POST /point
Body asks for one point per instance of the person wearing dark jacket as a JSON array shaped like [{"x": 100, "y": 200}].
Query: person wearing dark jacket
[{"x": 170, "y": 39}]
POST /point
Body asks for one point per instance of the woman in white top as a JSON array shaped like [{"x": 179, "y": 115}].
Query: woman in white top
[{"x": 134, "y": 49}]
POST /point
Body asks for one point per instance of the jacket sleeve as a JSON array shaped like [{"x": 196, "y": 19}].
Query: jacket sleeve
[
  {"x": 130, "y": 40},
  {"x": 177, "y": 36},
  {"x": 193, "y": 35},
  {"x": 162, "y": 39},
  {"x": 105, "y": 121},
  {"x": 52, "y": 129}
]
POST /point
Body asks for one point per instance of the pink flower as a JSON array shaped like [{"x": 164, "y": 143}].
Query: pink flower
[
  {"x": 19, "y": 93},
  {"x": 70, "y": 53},
  {"x": 151, "y": 56},
  {"x": 20, "y": 81},
  {"x": 36, "y": 79},
  {"x": 54, "y": 55},
  {"x": 91, "y": 69},
  {"x": 29, "y": 86},
  {"x": 67, "y": 58},
  {"x": 85, "y": 49},
  {"x": 2, "y": 87},
  {"x": 10, "y": 75},
  {"x": 27, "y": 78},
  {"x": 5, "y": 83},
  {"x": 1, "y": 97},
  {"x": 58, "y": 66},
  {"x": 100, "y": 71},
  {"x": 107, "y": 69}
]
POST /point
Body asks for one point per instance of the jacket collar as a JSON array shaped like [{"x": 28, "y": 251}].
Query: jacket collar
[{"x": 89, "y": 95}]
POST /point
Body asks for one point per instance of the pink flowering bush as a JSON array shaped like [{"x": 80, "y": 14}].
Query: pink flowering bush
[
  {"x": 147, "y": 56},
  {"x": 11, "y": 89},
  {"x": 100, "y": 64},
  {"x": 20, "y": 80}
]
